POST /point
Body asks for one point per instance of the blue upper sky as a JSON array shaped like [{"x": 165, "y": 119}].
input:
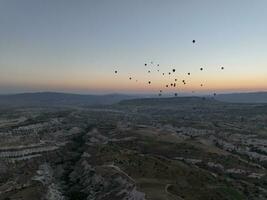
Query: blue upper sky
[{"x": 75, "y": 46}]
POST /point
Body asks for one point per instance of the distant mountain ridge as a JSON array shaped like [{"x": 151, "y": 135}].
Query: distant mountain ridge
[
  {"x": 251, "y": 97},
  {"x": 171, "y": 101},
  {"x": 59, "y": 99},
  {"x": 65, "y": 99}
]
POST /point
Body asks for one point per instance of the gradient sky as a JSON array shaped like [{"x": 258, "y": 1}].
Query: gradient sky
[{"x": 75, "y": 46}]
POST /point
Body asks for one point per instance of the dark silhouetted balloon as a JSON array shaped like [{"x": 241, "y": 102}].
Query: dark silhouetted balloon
[
  {"x": 175, "y": 94},
  {"x": 222, "y": 68},
  {"x": 145, "y": 64},
  {"x": 167, "y": 85},
  {"x": 201, "y": 69},
  {"x": 130, "y": 78},
  {"x": 175, "y": 79},
  {"x": 171, "y": 84},
  {"x": 148, "y": 71},
  {"x": 149, "y": 82},
  {"x": 193, "y": 41},
  {"x": 169, "y": 73},
  {"x": 173, "y": 70},
  {"x": 201, "y": 85},
  {"x": 188, "y": 74},
  {"x": 116, "y": 72}
]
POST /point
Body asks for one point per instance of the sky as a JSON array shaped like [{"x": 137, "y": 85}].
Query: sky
[{"x": 76, "y": 45}]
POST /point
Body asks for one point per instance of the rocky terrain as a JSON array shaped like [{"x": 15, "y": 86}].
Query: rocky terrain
[{"x": 173, "y": 148}]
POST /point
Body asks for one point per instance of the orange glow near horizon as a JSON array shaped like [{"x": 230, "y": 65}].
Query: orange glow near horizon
[{"x": 122, "y": 84}]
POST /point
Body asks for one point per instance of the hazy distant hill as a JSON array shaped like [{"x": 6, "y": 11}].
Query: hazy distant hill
[
  {"x": 256, "y": 97},
  {"x": 59, "y": 99},
  {"x": 169, "y": 102},
  {"x": 248, "y": 98}
]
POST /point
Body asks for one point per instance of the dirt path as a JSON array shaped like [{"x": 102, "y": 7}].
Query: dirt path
[
  {"x": 172, "y": 196},
  {"x": 120, "y": 171}
]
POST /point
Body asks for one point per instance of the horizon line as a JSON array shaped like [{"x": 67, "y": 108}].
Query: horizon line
[{"x": 133, "y": 94}]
